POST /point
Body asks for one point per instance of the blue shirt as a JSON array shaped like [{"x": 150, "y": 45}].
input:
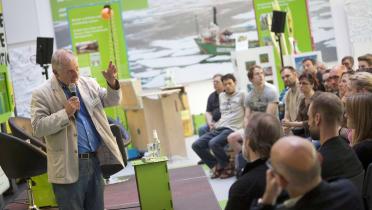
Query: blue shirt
[
  {"x": 282, "y": 94},
  {"x": 88, "y": 138}
]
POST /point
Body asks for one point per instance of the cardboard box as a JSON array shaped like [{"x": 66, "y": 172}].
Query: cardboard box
[
  {"x": 161, "y": 111},
  {"x": 188, "y": 127},
  {"x": 131, "y": 91}
]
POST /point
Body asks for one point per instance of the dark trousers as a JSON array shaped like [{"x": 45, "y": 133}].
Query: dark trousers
[
  {"x": 214, "y": 140},
  {"x": 87, "y": 192},
  {"x": 203, "y": 130}
]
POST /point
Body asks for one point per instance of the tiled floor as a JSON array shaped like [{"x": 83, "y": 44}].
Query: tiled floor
[{"x": 220, "y": 186}]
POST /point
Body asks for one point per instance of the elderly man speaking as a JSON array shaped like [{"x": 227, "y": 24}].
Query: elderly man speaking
[{"x": 67, "y": 111}]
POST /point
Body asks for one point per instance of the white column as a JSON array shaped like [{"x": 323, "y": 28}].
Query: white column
[
  {"x": 24, "y": 21},
  {"x": 343, "y": 42}
]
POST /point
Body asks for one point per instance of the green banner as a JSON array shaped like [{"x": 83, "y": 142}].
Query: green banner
[
  {"x": 97, "y": 40},
  {"x": 98, "y": 60},
  {"x": 59, "y": 7},
  {"x": 297, "y": 34},
  {"x": 97, "y": 37},
  {"x": 6, "y": 99}
]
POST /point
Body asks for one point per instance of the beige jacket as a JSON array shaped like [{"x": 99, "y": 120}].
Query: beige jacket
[{"x": 49, "y": 120}]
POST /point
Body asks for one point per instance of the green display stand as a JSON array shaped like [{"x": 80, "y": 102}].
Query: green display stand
[
  {"x": 43, "y": 191},
  {"x": 198, "y": 120},
  {"x": 153, "y": 184}
]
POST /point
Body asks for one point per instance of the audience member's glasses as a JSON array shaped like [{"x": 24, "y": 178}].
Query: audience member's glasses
[
  {"x": 304, "y": 83},
  {"x": 362, "y": 66},
  {"x": 268, "y": 164},
  {"x": 334, "y": 77}
]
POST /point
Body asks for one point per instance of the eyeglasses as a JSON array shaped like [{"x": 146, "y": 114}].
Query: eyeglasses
[
  {"x": 335, "y": 77},
  {"x": 304, "y": 83},
  {"x": 268, "y": 164},
  {"x": 362, "y": 66}
]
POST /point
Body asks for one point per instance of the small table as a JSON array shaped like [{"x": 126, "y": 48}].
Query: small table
[{"x": 153, "y": 184}]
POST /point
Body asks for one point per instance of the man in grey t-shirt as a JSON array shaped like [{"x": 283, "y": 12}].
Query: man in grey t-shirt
[
  {"x": 262, "y": 98},
  {"x": 259, "y": 100},
  {"x": 232, "y": 114}
]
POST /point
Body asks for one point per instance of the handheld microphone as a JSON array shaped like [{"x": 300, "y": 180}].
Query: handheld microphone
[{"x": 72, "y": 88}]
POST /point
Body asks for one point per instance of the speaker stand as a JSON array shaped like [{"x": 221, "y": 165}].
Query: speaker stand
[
  {"x": 278, "y": 39},
  {"x": 45, "y": 72}
]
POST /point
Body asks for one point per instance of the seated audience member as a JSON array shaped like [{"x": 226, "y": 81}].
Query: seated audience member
[
  {"x": 293, "y": 96},
  {"x": 309, "y": 65},
  {"x": 321, "y": 67},
  {"x": 361, "y": 82},
  {"x": 212, "y": 115},
  {"x": 326, "y": 84},
  {"x": 348, "y": 62},
  {"x": 364, "y": 62},
  {"x": 297, "y": 170},
  {"x": 344, "y": 88},
  {"x": 359, "y": 115},
  {"x": 339, "y": 160},
  {"x": 260, "y": 134},
  {"x": 232, "y": 114},
  {"x": 308, "y": 85},
  {"x": 262, "y": 98},
  {"x": 334, "y": 77}
]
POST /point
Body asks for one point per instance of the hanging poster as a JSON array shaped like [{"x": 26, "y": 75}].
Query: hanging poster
[
  {"x": 6, "y": 98},
  {"x": 97, "y": 37},
  {"x": 297, "y": 34},
  {"x": 59, "y": 14}
]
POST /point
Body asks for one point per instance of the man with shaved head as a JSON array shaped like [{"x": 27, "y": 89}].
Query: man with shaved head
[{"x": 295, "y": 167}]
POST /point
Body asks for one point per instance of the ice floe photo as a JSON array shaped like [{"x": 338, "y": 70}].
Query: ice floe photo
[
  {"x": 179, "y": 39},
  {"x": 170, "y": 40}
]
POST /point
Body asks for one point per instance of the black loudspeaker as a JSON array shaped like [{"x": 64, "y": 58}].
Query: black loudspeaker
[
  {"x": 44, "y": 50},
  {"x": 278, "y": 21}
]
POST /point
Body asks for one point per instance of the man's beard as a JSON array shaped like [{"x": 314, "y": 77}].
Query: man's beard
[
  {"x": 314, "y": 134},
  {"x": 293, "y": 84}
]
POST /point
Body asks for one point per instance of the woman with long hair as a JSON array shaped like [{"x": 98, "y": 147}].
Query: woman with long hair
[
  {"x": 359, "y": 115},
  {"x": 344, "y": 91},
  {"x": 361, "y": 82},
  {"x": 344, "y": 86}
]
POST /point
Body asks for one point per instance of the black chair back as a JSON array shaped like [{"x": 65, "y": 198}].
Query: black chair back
[
  {"x": 367, "y": 188},
  {"x": 20, "y": 159},
  {"x": 108, "y": 170},
  {"x": 21, "y": 128},
  {"x": 358, "y": 181}
]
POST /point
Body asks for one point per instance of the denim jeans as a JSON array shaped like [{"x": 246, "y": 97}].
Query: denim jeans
[
  {"x": 86, "y": 193},
  {"x": 214, "y": 140},
  {"x": 203, "y": 130}
]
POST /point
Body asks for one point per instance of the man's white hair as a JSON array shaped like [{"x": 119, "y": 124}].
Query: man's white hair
[{"x": 60, "y": 58}]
